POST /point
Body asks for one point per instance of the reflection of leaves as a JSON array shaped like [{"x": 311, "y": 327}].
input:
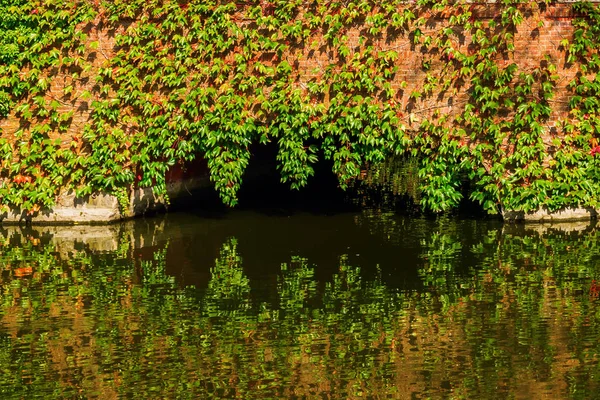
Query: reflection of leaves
[
  {"x": 229, "y": 288},
  {"x": 382, "y": 223},
  {"x": 441, "y": 249},
  {"x": 353, "y": 304},
  {"x": 100, "y": 323},
  {"x": 441, "y": 253},
  {"x": 297, "y": 285},
  {"x": 154, "y": 272}
]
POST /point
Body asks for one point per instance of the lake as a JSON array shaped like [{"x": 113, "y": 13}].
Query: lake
[{"x": 250, "y": 304}]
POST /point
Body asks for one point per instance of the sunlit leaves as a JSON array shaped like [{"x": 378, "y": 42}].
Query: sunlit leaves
[{"x": 210, "y": 79}]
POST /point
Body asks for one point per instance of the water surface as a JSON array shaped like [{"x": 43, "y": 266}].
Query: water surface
[{"x": 300, "y": 305}]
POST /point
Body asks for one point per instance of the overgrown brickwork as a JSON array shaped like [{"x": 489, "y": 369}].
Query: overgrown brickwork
[{"x": 476, "y": 91}]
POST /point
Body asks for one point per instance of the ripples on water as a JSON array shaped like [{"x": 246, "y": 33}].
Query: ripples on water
[{"x": 344, "y": 306}]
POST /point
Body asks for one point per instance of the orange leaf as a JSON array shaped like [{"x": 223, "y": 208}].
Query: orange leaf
[{"x": 20, "y": 272}]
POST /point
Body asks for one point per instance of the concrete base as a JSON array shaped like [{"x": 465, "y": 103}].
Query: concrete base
[
  {"x": 95, "y": 208},
  {"x": 567, "y": 214},
  {"x": 102, "y": 208}
]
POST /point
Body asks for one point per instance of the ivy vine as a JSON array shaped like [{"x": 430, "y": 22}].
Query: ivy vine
[{"x": 208, "y": 78}]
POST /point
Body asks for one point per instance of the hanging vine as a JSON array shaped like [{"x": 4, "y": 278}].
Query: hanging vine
[{"x": 320, "y": 78}]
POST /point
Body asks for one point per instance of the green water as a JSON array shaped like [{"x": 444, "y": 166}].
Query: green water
[{"x": 249, "y": 305}]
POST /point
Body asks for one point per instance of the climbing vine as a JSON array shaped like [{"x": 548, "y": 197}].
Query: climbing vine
[
  {"x": 168, "y": 81},
  {"x": 39, "y": 39}
]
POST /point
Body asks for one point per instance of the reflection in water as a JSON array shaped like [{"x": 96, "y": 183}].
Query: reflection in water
[{"x": 180, "y": 307}]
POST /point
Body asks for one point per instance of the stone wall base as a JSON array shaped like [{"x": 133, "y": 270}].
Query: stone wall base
[
  {"x": 543, "y": 215},
  {"x": 102, "y": 208}
]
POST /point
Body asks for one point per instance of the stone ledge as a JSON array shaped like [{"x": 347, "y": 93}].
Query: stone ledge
[
  {"x": 102, "y": 208},
  {"x": 91, "y": 209},
  {"x": 543, "y": 215}
]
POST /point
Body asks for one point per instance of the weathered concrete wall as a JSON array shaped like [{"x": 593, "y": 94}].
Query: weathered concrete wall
[
  {"x": 568, "y": 214},
  {"x": 100, "y": 208}
]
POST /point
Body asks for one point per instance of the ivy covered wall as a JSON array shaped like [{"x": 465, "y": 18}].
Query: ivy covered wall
[{"x": 108, "y": 95}]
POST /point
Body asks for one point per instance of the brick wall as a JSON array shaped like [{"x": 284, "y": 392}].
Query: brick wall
[{"x": 533, "y": 41}]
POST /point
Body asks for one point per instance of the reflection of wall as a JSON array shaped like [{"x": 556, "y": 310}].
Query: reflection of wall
[
  {"x": 546, "y": 227},
  {"x": 516, "y": 332},
  {"x": 67, "y": 240}
]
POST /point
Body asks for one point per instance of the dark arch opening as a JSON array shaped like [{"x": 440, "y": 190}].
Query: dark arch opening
[{"x": 263, "y": 191}]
